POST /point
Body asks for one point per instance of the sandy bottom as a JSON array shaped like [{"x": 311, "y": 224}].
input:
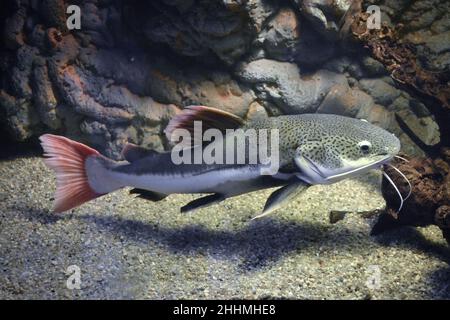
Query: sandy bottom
[{"x": 132, "y": 248}]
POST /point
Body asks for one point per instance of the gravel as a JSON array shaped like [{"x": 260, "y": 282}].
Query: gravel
[{"x": 132, "y": 248}]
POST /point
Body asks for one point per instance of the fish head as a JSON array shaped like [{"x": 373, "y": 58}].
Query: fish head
[{"x": 344, "y": 148}]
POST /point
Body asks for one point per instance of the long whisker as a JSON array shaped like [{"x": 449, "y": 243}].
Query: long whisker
[
  {"x": 404, "y": 177},
  {"x": 396, "y": 189},
  {"x": 401, "y": 158}
]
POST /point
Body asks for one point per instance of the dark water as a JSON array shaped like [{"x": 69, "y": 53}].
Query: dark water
[{"x": 11, "y": 149}]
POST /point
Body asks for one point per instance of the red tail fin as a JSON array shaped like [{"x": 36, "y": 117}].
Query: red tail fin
[{"x": 67, "y": 159}]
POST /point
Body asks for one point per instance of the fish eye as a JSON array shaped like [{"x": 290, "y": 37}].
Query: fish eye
[{"x": 364, "y": 146}]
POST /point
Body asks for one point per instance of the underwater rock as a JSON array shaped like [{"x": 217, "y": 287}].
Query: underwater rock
[
  {"x": 324, "y": 15},
  {"x": 404, "y": 58},
  {"x": 336, "y": 216},
  {"x": 156, "y": 77},
  {"x": 64, "y": 81},
  {"x": 44, "y": 96},
  {"x": 281, "y": 35},
  {"x": 215, "y": 26},
  {"x": 425, "y": 128},
  {"x": 432, "y": 48},
  {"x": 379, "y": 115},
  {"x": 71, "y": 83},
  {"x": 312, "y": 49},
  {"x": 429, "y": 200},
  {"x": 133, "y": 65},
  {"x": 12, "y": 33},
  {"x": 215, "y": 88},
  {"x": 259, "y": 11},
  {"x": 346, "y": 65},
  {"x": 419, "y": 120},
  {"x": 353, "y": 102},
  {"x": 382, "y": 92},
  {"x": 373, "y": 67},
  {"x": 21, "y": 72},
  {"x": 21, "y": 117},
  {"x": 123, "y": 67},
  {"x": 256, "y": 111},
  {"x": 282, "y": 84},
  {"x": 346, "y": 101},
  {"x": 114, "y": 107},
  {"x": 442, "y": 220},
  {"x": 218, "y": 90},
  {"x": 53, "y": 13}
]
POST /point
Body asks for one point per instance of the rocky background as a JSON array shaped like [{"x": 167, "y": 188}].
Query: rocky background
[{"x": 134, "y": 64}]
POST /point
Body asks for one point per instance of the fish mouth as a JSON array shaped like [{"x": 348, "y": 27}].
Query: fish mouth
[
  {"x": 355, "y": 171},
  {"x": 331, "y": 178}
]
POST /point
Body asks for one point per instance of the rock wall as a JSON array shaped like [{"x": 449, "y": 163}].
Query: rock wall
[{"x": 134, "y": 64}]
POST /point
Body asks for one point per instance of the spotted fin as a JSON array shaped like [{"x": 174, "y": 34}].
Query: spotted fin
[
  {"x": 132, "y": 152},
  {"x": 202, "y": 202},
  {"x": 282, "y": 196},
  {"x": 209, "y": 117},
  {"x": 148, "y": 195}
]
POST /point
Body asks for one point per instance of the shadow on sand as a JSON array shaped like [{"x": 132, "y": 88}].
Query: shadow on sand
[
  {"x": 410, "y": 238},
  {"x": 258, "y": 243},
  {"x": 11, "y": 149},
  {"x": 261, "y": 242}
]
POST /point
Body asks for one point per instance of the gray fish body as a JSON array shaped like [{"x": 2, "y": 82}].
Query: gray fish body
[
  {"x": 289, "y": 151},
  {"x": 159, "y": 174},
  {"x": 313, "y": 148}
]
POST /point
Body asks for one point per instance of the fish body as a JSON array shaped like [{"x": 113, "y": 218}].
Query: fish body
[{"x": 311, "y": 149}]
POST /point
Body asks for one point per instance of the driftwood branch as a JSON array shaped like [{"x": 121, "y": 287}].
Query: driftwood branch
[{"x": 430, "y": 177}]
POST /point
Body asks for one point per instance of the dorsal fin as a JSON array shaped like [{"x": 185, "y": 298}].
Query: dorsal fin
[
  {"x": 210, "y": 118},
  {"x": 132, "y": 152}
]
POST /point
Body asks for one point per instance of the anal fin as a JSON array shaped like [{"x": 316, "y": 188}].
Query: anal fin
[
  {"x": 282, "y": 196},
  {"x": 148, "y": 195},
  {"x": 202, "y": 202}
]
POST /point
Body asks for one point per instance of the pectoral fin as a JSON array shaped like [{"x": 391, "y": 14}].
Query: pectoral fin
[
  {"x": 282, "y": 196},
  {"x": 202, "y": 202}
]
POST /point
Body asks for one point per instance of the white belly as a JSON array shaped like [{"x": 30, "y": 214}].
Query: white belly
[{"x": 210, "y": 181}]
